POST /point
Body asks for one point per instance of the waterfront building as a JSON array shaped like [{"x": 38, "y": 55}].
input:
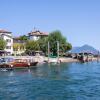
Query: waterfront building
[
  {"x": 7, "y": 36},
  {"x": 36, "y": 34},
  {"x": 18, "y": 46}
]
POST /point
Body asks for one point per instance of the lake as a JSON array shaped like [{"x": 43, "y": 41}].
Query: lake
[{"x": 67, "y": 81}]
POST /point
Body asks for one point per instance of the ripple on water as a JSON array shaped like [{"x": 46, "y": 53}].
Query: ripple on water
[{"x": 72, "y": 81}]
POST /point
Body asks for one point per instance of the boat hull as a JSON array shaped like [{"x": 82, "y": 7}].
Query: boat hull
[
  {"x": 20, "y": 65},
  {"x": 33, "y": 64},
  {"x": 5, "y": 66}
]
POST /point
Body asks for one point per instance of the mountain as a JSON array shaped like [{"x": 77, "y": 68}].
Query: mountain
[{"x": 84, "y": 48}]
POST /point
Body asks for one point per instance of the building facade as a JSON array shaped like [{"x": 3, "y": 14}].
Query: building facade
[
  {"x": 36, "y": 34},
  {"x": 7, "y": 36},
  {"x": 18, "y": 46}
]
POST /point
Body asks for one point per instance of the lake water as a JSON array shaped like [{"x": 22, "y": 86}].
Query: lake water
[{"x": 67, "y": 81}]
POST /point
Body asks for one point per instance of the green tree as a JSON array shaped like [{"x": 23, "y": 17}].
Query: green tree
[
  {"x": 18, "y": 46},
  {"x": 23, "y": 38},
  {"x": 63, "y": 44},
  {"x": 43, "y": 44},
  {"x": 2, "y": 44},
  {"x": 32, "y": 46}
]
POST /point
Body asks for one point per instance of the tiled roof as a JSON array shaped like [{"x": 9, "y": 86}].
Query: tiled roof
[
  {"x": 38, "y": 33},
  {"x": 4, "y": 31}
]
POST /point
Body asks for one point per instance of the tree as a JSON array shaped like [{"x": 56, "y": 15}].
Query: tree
[
  {"x": 23, "y": 38},
  {"x": 2, "y": 44},
  {"x": 43, "y": 44},
  {"x": 63, "y": 44},
  {"x": 69, "y": 46},
  {"x": 32, "y": 46},
  {"x": 18, "y": 46}
]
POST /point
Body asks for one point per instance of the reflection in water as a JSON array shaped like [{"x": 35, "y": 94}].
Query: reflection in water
[
  {"x": 49, "y": 71},
  {"x": 11, "y": 73}
]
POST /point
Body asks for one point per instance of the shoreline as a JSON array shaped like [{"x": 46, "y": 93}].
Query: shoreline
[
  {"x": 42, "y": 59},
  {"x": 69, "y": 60}
]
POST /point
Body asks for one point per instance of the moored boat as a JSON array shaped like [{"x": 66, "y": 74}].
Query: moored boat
[
  {"x": 33, "y": 64},
  {"x": 20, "y": 63},
  {"x": 17, "y": 63},
  {"x": 5, "y": 64},
  {"x": 24, "y": 63}
]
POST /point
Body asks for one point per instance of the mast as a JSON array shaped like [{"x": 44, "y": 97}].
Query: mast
[
  {"x": 58, "y": 50},
  {"x": 98, "y": 56},
  {"x": 48, "y": 51}
]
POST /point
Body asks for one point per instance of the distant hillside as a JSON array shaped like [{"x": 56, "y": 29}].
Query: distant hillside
[{"x": 84, "y": 48}]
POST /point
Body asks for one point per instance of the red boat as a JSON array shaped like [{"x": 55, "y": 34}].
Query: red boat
[
  {"x": 23, "y": 63},
  {"x": 17, "y": 63},
  {"x": 20, "y": 63}
]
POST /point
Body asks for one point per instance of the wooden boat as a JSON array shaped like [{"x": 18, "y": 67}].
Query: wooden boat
[
  {"x": 20, "y": 63},
  {"x": 5, "y": 64},
  {"x": 24, "y": 63},
  {"x": 16, "y": 63},
  {"x": 33, "y": 64}
]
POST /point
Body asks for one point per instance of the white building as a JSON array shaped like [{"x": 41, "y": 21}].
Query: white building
[
  {"x": 7, "y": 36},
  {"x": 36, "y": 34}
]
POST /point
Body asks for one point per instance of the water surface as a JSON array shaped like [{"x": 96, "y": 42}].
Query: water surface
[{"x": 67, "y": 81}]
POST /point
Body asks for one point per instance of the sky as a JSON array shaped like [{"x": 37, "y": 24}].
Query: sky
[{"x": 78, "y": 20}]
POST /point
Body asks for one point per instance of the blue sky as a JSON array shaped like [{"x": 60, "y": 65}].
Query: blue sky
[{"x": 78, "y": 20}]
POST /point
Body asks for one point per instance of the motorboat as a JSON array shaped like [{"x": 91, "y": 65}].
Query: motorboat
[
  {"x": 24, "y": 63},
  {"x": 10, "y": 63},
  {"x": 6, "y": 62},
  {"x": 33, "y": 64},
  {"x": 20, "y": 63}
]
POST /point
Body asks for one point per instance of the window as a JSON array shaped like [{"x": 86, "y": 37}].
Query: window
[
  {"x": 8, "y": 47},
  {"x": 8, "y": 40}
]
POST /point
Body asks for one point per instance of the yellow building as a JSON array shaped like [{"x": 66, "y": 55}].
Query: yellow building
[{"x": 18, "y": 46}]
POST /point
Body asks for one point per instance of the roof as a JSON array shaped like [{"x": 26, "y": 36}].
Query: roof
[
  {"x": 4, "y": 31},
  {"x": 6, "y": 35},
  {"x": 37, "y": 33},
  {"x": 18, "y": 40}
]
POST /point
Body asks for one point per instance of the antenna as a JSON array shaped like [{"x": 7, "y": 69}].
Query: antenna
[{"x": 34, "y": 29}]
